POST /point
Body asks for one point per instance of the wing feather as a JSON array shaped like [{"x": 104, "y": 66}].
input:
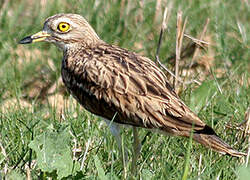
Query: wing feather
[{"x": 138, "y": 89}]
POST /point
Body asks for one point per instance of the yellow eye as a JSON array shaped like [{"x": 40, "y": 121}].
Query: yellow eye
[{"x": 63, "y": 27}]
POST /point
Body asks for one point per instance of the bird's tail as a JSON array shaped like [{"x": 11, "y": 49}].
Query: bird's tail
[{"x": 212, "y": 141}]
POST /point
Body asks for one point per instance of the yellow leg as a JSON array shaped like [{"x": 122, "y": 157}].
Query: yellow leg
[
  {"x": 137, "y": 150},
  {"x": 115, "y": 131}
]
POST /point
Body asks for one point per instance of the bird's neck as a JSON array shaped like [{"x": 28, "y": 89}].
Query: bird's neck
[
  {"x": 76, "y": 52},
  {"x": 78, "y": 46}
]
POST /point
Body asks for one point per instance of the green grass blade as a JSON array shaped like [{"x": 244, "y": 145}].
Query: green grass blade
[
  {"x": 187, "y": 160},
  {"x": 101, "y": 173}
]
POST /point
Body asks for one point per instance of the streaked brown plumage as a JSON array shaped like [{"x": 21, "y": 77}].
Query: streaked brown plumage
[{"x": 106, "y": 79}]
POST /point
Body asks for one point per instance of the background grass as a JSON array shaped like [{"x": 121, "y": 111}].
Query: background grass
[{"x": 32, "y": 96}]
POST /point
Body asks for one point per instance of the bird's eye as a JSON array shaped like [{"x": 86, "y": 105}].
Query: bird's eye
[{"x": 63, "y": 27}]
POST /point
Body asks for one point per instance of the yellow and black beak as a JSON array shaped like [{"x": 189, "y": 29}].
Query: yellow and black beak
[{"x": 40, "y": 36}]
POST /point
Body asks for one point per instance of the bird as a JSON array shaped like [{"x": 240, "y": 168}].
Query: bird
[{"x": 120, "y": 85}]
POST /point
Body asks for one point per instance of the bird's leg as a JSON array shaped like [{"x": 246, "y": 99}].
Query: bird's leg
[
  {"x": 137, "y": 149},
  {"x": 115, "y": 131}
]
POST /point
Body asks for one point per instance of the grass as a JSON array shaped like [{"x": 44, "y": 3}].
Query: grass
[{"x": 33, "y": 100}]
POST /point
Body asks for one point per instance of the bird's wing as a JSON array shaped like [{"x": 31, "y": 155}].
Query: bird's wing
[{"x": 138, "y": 89}]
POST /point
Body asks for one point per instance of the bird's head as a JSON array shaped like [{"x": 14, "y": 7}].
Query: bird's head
[{"x": 64, "y": 30}]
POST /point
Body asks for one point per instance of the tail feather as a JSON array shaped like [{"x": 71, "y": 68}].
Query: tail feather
[{"x": 217, "y": 144}]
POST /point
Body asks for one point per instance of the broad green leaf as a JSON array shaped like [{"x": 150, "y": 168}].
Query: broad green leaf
[
  {"x": 14, "y": 175},
  {"x": 112, "y": 176},
  {"x": 54, "y": 152},
  {"x": 222, "y": 106},
  {"x": 202, "y": 95},
  {"x": 101, "y": 173},
  {"x": 244, "y": 173},
  {"x": 146, "y": 174}
]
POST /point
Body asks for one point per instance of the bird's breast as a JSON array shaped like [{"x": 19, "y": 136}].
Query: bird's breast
[
  {"x": 75, "y": 84},
  {"x": 89, "y": 96}
]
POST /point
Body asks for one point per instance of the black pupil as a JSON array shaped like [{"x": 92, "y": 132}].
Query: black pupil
[{"x": 63, "y": 26}]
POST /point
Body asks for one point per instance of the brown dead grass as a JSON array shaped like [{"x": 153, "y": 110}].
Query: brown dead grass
[
  {"x": 14, "y": 104},
  {"x": 25, "y": 55}
]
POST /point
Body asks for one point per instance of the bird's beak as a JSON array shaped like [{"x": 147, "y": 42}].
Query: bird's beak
[{"x": 40, "y": 36}]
